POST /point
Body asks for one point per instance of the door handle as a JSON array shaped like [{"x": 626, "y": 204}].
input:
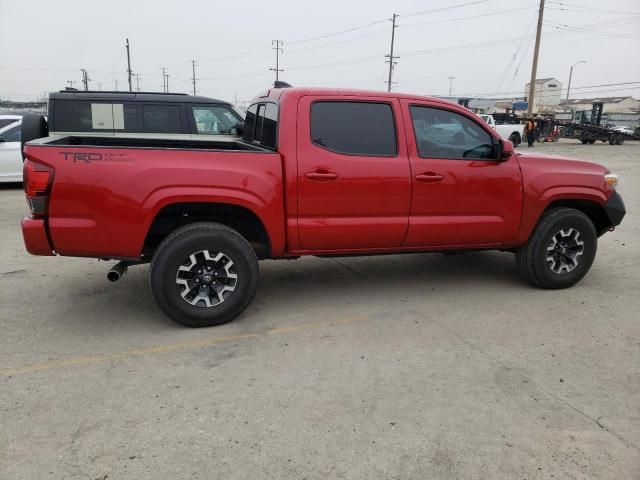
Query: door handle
[
  {"x": 321, "y": 175},
  {"x": 429, "y": 177}
]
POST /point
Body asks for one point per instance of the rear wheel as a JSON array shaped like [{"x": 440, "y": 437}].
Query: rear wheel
[
  {"x": 204, "y": 274},
  {"x": 515, "y": 139},
  {"x": 560, "y": 251}
]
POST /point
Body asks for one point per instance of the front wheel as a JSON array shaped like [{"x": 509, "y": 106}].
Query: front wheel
[
  {"x": 560, "y": 251},
  {"x": 204, "y": 274}
]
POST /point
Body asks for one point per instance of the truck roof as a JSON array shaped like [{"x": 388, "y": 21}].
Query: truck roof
[
  {"x": 277, "y": 93},
  {"x": 133, "y": 96}
]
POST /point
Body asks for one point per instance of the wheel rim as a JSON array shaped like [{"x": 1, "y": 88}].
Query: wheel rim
[
  {"x": 206, "y": 279},
  {"x": 564, "y": 251}
]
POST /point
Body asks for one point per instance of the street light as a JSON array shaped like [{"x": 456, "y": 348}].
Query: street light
[{"x": 570, "y": 74}]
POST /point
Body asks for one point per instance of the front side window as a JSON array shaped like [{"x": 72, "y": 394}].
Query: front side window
[
  {"x": 214, "y": 120},
  {"x": 12, "y": 135},
  {"x": 444, "y": 134},
  {"x": 354, "y": 128}
]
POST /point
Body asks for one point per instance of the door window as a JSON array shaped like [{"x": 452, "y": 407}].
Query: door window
[
  {"x": 261, "y": 125},
  {"x": 12, "y": 135},
  {"x": 444, "y": 134},
  {"x": 214, "y": 120},
  {"x": 354, "y": 128}
]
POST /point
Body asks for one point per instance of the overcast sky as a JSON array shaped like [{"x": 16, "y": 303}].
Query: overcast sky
[{"x": 486, "y": 45}]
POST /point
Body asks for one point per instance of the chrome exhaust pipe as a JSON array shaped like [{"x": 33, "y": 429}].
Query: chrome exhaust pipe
[{"x": 117, "y": 271}]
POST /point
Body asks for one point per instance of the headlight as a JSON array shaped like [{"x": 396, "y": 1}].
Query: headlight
[{"x": 611, "y": 179}]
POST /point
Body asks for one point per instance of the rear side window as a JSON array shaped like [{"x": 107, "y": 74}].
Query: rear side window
[
  {"x": 161, "y": 118},
  {"x": 354, "y": 128},
  {"x": 12, "y": 135},
  {"x": 7, "y": 121},
  {"x": 261, "y": 125},
  {"x": 72, "y": 116}
]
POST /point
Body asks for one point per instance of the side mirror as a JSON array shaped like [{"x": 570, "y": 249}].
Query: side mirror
[
  {"x": 239, "y": 128},
  {"x": 505, "y": 150}
]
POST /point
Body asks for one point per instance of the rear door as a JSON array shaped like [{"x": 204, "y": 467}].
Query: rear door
[
  {"x": 354, "y": 182},
  {"x": 462, "y": 194}
]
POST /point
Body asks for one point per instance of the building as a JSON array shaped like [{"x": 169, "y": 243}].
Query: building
[
  {"x": 610, "y": 104},
  {"x": 548, "y": 94}
]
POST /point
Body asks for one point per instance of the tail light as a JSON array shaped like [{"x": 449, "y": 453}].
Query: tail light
[{"x": 37, "y": 179}]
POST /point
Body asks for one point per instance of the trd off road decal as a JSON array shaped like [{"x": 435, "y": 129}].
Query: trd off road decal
[{"x": 90, "y": 157}]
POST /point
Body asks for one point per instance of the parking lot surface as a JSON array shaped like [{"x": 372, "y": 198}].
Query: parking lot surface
[{"x": 417, "y": 366}]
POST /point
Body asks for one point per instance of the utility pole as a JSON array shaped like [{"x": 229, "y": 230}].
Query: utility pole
[
  {"x": 193, "y": 68},
  {"x": 137, "y": 75},
  {"x": 277, "y": 46},
  {"x": 164, "y": 80},
  {"x": 129, "y": 66},
  {"x": 534, "y": 67},
  {"x": 571, "y": 74},
  {"x": 116, "y": 81},
  {"x": 85, "y": 79},
  {"x": 451, "y": 79},
  {"x": 392, "y": 63},
  {"x": 99, "y": 86}
]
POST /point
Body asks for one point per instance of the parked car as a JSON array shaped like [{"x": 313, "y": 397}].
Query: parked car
[
  {"x": 512, "y": 132},
  {"x": 627, "y": 130},
  {"x": 317, "y": 172},
  {"x": 10, "y": 156},
  {"x": 142, "y": 115}
]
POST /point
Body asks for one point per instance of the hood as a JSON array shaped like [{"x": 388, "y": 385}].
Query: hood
[{"x": 541, "y": 173}]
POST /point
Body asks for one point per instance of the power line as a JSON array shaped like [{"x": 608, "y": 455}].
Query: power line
[
  {"x": 472, "y": 17},
  {"x": 333, "y": 34},
  {"x": 434, "y": 10}
]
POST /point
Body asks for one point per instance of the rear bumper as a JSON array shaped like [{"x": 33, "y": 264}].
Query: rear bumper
[
  {"x": 615, "y": 210},
  {"x": 35, "y": 237}
]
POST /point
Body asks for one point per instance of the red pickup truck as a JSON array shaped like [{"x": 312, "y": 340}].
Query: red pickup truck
[{"x": 317, "y": 172}]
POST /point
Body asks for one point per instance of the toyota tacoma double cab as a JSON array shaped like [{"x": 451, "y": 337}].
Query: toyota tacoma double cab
[{"x": 321, "y": 172}]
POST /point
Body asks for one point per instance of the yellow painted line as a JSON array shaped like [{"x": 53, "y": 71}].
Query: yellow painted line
[{"x": 171, "y": 347}]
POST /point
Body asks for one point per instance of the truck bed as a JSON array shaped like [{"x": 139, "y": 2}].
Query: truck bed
[
  {"x": 149, "y": 143},
  {"x": 107, "y": 191}
]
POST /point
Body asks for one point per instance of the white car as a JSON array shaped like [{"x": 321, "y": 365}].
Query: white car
[
  {"x": 627, "y": 130},
  {"x": 512, "y": 132},
  {"x": 10, "y": 152}
]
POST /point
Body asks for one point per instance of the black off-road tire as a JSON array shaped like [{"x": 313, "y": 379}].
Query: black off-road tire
[
  {"x": 532, "y": 257},
  {"x": 175, "y": 251},
  {"x": 515, "y": 139}
]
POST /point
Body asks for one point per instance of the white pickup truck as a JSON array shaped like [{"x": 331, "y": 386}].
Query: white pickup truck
[{"x": 512, "y": 132}]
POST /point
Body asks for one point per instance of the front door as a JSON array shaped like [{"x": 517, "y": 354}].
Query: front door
[
  {"x": 462, "y": 194},
  {"x": 354, "y": 181}
]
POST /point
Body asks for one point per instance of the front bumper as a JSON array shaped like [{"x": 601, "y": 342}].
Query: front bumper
[
  {"x": 615, "y": 210},
  {"x": 35, "y": 237}
]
